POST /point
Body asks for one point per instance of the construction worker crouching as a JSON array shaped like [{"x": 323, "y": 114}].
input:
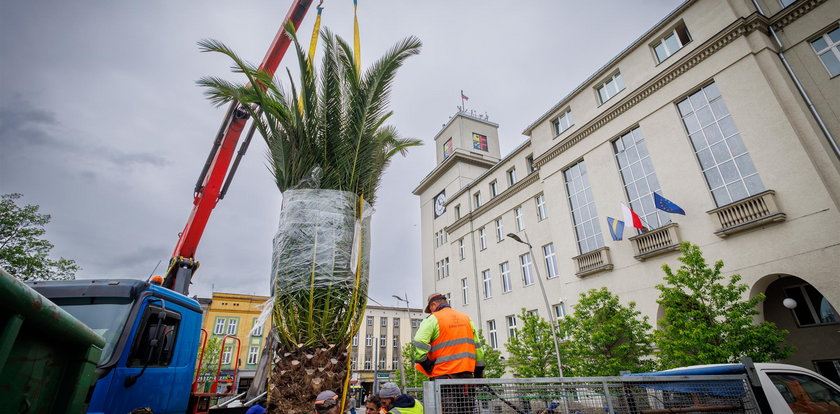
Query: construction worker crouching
[
  {"x": 447, "y": 346},
  {"x": 395, "y": 402}
]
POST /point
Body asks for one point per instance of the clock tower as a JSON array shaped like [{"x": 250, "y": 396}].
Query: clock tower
[{"x": 465, "y": 148}]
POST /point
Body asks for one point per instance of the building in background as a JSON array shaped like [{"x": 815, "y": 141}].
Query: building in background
[
  {"x": 376, "y": 347},
  {"x": 701, "y": 109},
  {"x": 236, "y": 314}
]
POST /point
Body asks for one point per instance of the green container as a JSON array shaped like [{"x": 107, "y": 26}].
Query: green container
[{"x": 47, "y": 357}]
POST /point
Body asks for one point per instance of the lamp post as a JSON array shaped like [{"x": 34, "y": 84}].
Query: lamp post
[
  {"x": 408, "y": 314},
  {"x": 551, "y": 316}
]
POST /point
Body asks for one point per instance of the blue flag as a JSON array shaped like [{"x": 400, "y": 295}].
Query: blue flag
[
  {"x": 616, "y": 228},
  {"x": 666, "y": 205}
]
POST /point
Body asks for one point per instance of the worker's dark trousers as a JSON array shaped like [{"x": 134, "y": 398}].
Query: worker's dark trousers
[{"x": 457, "y": 399}]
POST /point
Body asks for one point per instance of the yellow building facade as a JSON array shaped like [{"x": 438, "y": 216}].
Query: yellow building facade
[{"x": 236, "y": 314}]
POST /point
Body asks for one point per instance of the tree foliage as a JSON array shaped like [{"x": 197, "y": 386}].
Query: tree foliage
[
  {"x": 604, "y": 337},
  {"x": 413, "y": 378},
  {"x": 709, "y": 322},
  {"x": 24, "y": 252},
  {"x": 531, "y": 350}
]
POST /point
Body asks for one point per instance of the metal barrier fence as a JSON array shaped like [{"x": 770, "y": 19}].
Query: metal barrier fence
[
  {"x": 595, "y": 395},
  {"x": 415, "y": 392}
]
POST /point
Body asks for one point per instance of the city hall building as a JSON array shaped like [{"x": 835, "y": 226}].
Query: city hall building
[{"x": 728, "y": 108}]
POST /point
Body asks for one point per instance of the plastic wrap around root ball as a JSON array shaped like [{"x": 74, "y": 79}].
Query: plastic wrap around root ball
[{"x": 323, "y": 240}]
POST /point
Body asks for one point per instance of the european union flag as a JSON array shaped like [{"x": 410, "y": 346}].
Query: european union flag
[
  {"x": 616, "y": 228},
  {"x": 666, "y": 205}
]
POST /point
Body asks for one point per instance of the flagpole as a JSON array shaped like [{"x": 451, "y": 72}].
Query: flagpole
[{"x": 463, "y": 106}]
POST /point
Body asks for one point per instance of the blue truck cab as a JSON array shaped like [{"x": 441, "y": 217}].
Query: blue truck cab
[{"x": 151, "y": 341}]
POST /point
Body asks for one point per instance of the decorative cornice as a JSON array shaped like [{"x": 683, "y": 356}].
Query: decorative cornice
[
  {"x": 789, "y": 15},
  {"x": 495, "y": 167},
  {"x": 444, "y": 166},
  {"x": 741, "y": 27},
  {"x": 504, "y": 195}
]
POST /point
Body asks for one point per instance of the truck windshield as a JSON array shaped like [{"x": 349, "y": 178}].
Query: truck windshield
[{"x": 105, "y": 316}]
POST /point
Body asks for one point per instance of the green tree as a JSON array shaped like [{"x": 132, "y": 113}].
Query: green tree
[
  {"x": 604, "y": 337},
  {"x": 24, "y": 252},
  {"x": 494, "y": 365},
  {"x": 210, "y": 360},
  {"x": 531, "y": 350},
  {"x": 708, "y": 322},
  {"x": 412, "y": 377}
]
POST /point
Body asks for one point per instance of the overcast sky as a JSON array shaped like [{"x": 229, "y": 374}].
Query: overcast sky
[{"x": 102, "y": 125}]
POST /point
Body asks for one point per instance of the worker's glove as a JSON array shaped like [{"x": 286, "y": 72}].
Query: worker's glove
[
  {"x": 426, "y": 363},
  {"x": 479, "y": 370}
]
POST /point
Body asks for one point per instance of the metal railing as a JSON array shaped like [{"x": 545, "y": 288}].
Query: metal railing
[{"x": 594, "y": 395}]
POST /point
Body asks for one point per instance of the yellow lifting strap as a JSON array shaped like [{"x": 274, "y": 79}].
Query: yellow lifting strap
[
  {"x": 313, "y": 43},
  {"x": 357, "y": 49}
]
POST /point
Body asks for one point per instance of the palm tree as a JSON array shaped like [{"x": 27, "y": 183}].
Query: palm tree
[{"x": 328, "y": 146}]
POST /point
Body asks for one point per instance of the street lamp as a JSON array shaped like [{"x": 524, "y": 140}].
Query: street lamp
[
  {"x": 551, "y": 316},
  {"x": 408, "y": 314}
]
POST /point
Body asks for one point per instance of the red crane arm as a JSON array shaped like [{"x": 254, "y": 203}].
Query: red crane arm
[{"x": 207, "y": 194}]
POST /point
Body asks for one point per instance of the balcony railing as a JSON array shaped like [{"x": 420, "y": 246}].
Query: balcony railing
[
  {"x": 655, "y": 242},
  {"x": 754, "y": 211},
  {"x": 593, "y": 262}
]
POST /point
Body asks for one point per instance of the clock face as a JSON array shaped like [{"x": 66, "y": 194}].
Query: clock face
[{"x": 440, "y": 204}]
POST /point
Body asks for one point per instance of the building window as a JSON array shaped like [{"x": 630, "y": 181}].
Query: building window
[
  {"x": 415, "y": 323},
  {"x": 560, "y": 310},
  {"x": 368, "y": 365},
  {"x": 396, "y": 322},
  {"x": 488, "y": 286},
  {"x": 383, "y": 321},
  {"x": 582, "y": 204},
  {"x": 477, "y": 199},
  {"x": 527, "y": 269},
  {"x": 448, "y": 296},
  {"x": 504, "y": 270},
  {"x": 511, "y": 325},
  {"x": 500, "y": 231},
  {"x": 356, "y": 340},
  {"x": 465, "y": 300},
  {"x": 257, "y": 329},
  {"x": 445, "y": 267},
  {"x": 542, "y": 214},
  {"x": 232, "y": 326},
  {"x": 479, "y": 141},
  {"x": 550, "y": 261},
  {"x": 395, "y": 363},
  {"x": 442, "y": 269},
  {"x": 383, "y": 341},
  {"x": 827, "y": 47},
  {"x": 394, "y": 342},
  {"x": 447, "y": 148},
  {"x": 529, "y": 162},
  {"x": 494, "y": 188},
  {"x": 517, "y": 216},
  {"x": 829, "y": 369},
  {"x": 353, "y": 361},
  {"x": 639, "y": 178},
  {"x": 491, "y": 332},
  {"x": 439, "y": 269},
  {"x": 812, "y": 308},
  {"x": 220, "y": 326},
  {"x": 382, "y": 363},
  {"x": 786, "y": 3},
  {"x": 253, "y": 353},
  {"x": 226, "y": 355},
  {"x": 482, "y": 238},
  {"x": 457, "y": 212},
  {"x": 726, "y": 164},
  {"x": 672, "y": 42},
  {"x": 610, "y": 88},
  {"x": 461, "y": 249},
  {"x": 511, "y": 176},
  {"x": 369, "y": 340},
  {"x": 562, "y": 123},
  {"x": 534, "y": 312},
  {"x": 370, "y": 321}
]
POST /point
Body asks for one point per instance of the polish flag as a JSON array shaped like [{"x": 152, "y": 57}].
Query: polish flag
[{"x": 630, "y": 217}]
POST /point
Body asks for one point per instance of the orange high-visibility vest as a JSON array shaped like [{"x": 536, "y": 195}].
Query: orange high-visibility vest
[{"x": 454, "y": 349}]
